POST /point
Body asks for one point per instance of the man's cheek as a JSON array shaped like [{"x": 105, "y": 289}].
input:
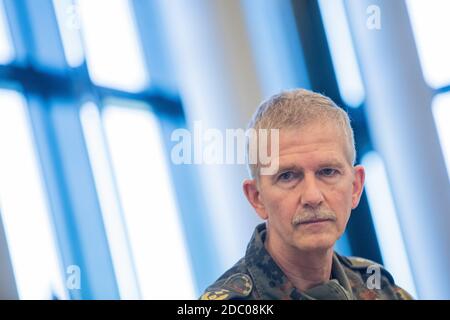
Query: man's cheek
[
  {"x": 341, "y": 224},
  {"x": 276, "y": 206}
]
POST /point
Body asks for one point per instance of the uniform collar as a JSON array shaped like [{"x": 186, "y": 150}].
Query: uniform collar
[{"x": 271, "y": 283}]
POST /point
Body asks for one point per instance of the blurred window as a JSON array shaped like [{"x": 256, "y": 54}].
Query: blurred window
[
  {"x": 6, "y": 47},
  {"x": 29, "y": 231},
  {"x": 342, "y": 52},
  {"x": 385, "y": 220},
  {"x": 441, "y": 113},
  {"x": 148, "y": 202},
  {"x": 431, "y": 25}
]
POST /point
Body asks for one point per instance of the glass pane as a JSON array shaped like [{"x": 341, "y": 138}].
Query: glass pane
[
  {"x": 342, "y": 52},
  {"x": 441, "y": 113},
  {"x": 431, "y": 26},
  {"x": 386, "y": 223},
  {"x": 148, "y": 203},
  {"x": 25, "y": 215},
  {"x": 67, "y": 14},
  {"x": 6, "y": 48},
  {"x": 113, "y": 52},
  {"x": 108, "y": 198}
]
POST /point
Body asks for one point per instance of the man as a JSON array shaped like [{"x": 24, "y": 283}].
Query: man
[{"x": 306, "y": 204}]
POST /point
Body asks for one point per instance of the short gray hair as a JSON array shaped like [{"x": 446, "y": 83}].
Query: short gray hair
[{"x": 297, "y": 108}]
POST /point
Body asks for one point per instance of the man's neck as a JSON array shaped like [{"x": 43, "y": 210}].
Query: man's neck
[{"x": 305, "y": 269}]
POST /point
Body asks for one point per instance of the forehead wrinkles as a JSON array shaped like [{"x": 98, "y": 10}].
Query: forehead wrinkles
[
  {"x": 310, "y": 139},
  {"x": 312, "y": 148}
]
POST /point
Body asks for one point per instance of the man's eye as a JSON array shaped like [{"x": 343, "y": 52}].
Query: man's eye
[
  {"x": 328, "y": 172},
  {"x": 286, "y": 176}
]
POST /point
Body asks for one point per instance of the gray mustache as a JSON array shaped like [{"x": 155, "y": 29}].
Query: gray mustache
[{"x": 311, "y": 215}]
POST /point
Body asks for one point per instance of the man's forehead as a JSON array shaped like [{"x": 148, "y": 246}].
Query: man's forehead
[
  {"x": 311, "y": 133},
  {"x": 309, "y": 146},
  {"x": 318, "y": 160},
  {"x": 310, "y": 138}
]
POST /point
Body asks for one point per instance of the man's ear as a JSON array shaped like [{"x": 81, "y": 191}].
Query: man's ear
[
  {"x": 251, "y": 191},
  {"x": 358, "y": 184}
]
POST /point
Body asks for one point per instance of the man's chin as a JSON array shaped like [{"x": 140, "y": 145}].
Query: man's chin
[{"x": 317, "y": 243}]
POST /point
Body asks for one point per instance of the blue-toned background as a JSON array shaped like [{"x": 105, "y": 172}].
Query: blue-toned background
[{"x": 92, "y": 205}]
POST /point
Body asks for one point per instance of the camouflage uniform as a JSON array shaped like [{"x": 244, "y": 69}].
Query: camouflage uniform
[{"x": 257, "y": 276}]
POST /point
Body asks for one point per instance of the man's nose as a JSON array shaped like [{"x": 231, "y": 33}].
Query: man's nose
[{"x": 311, "y": 195}]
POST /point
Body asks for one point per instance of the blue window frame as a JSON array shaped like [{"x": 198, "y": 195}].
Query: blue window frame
[{"x": 51, "y": 51}]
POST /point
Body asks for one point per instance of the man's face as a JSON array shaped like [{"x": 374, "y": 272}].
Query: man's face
[{"x": 308, "y": 201}]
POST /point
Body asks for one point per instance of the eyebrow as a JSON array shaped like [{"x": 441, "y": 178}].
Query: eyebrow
[
  {"x": 333, "y": 163},
  {"x": 325, "y": 164}
]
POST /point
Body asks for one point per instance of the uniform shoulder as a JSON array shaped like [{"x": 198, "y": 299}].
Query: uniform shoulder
[
  {"x": 236, "y": 286},
  {"x": 358, "y": 262},
  {"x": 365, "y": 266},
  {"x": 235, "y": 283}
]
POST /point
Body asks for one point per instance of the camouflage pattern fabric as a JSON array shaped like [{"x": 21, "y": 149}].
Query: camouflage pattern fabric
[{"x": 256, "y": 276}]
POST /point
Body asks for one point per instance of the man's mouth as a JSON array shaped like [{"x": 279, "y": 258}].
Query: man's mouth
[
  {"x": 311, "y": 221},
  {"x": 312, "y": 218}
]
